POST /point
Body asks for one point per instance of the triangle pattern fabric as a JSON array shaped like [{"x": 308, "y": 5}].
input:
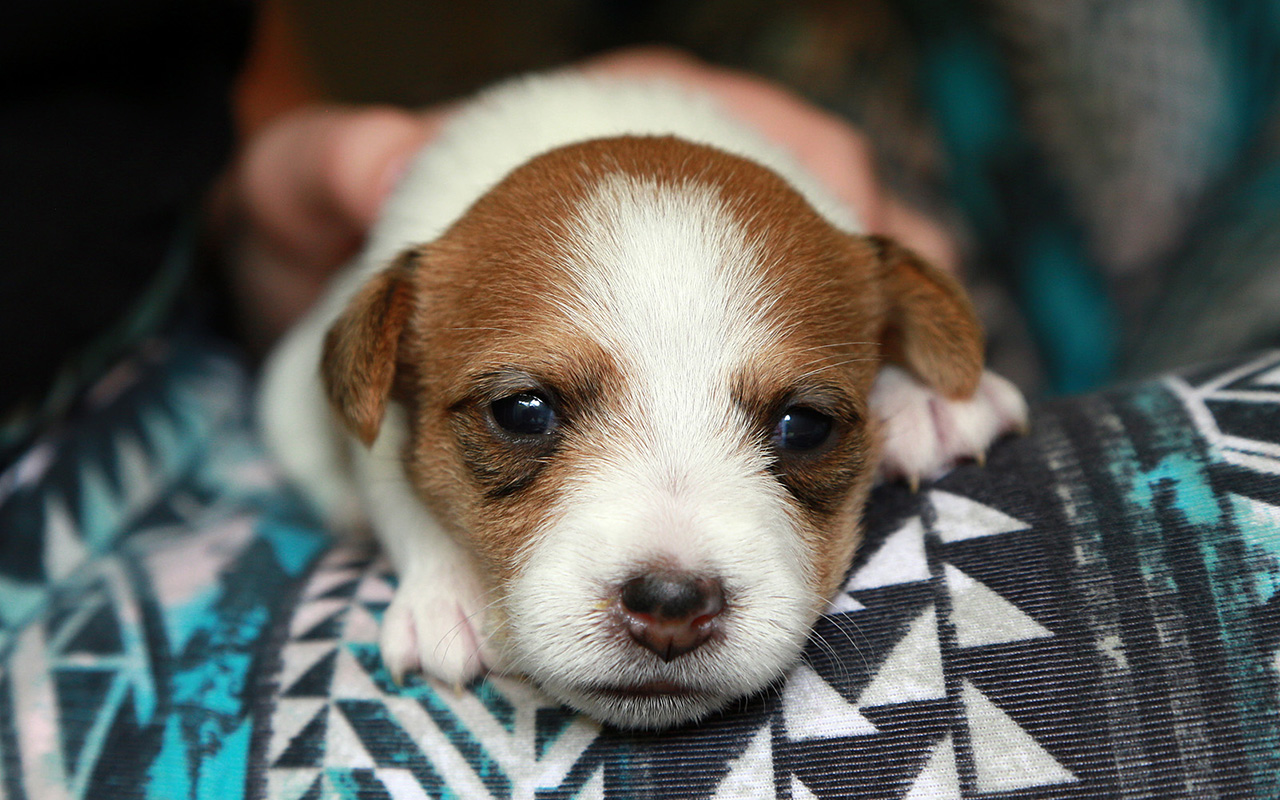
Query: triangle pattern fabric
[
  {"x": 294, "y": 784},
  {"x": 913, "y": 669},
  {"x": 959, "y": 518},
  {"x": 338, "y": 711},
  {"x": 1006, "y": 757},
  {"x": 901, "y": 559},
  {"x": 292, "y": 717},
  {"x": 843, "y": 604},
  {"x": 401, "y": 784},
  {"x": 1269, "y": 378},
  {"x": 305, "y": 748},
  {"x": 798, "y": 791},
  {"x": 1264, "y": 515},
  {"x": 343, "y": 746},
  {"x": 593, "y": 789},
  {"x": 750, "y": 774},
  {"x": 983, "y": 617},
  {"x": 811, "y": 709},
  {"x": 938, "y": 780}
]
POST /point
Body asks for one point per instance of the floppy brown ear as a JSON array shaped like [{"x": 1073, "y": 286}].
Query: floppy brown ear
[
  {"x": 359, "y": 361},
  {"x": 931, "y": 329}
]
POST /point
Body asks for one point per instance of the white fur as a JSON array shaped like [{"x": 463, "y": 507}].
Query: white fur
[
  {"x": 669, "y": 286},
  {"x": 666, "y": 284}
]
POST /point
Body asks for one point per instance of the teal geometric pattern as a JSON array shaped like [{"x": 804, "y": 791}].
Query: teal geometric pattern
[{"x": 1093, "y": 614}]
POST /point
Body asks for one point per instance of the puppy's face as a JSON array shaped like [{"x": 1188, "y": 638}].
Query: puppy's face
[{"x": 636, "y": 374}]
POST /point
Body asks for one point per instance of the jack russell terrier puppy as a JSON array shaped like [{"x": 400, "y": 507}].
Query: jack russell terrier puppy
[{"x": 610, "y": 384}]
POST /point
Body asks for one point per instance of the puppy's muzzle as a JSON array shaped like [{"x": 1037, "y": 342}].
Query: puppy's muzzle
[{"x": 670, "y": 612}]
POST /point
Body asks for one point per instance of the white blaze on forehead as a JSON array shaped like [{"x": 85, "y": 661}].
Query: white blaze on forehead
[{"x": 669, "y": 284}]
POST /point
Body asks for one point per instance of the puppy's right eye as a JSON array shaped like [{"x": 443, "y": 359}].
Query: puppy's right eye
[{"x": 524, "y": 414}]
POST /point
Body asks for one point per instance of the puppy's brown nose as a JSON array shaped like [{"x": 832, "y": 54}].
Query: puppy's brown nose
[{"x": 671, "y": 612}]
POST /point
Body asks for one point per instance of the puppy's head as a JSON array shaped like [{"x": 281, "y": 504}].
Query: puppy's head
[{"x": 636, "y": 374}]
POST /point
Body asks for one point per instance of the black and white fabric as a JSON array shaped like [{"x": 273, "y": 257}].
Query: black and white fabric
[{"x": 1093, "y": 614}]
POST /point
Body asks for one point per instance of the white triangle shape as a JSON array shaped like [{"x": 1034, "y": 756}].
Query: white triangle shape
[
  {"x": 312, "y": 613},
  {"x": 981, "y": 616},
  {"x": 798, "y": 791},
  {"x": 843, "y": 603},
  {"x": 290, "y": 717},
  {"x": 342, "y": 746},
  {"x": 402, "y": 785},
  {"x": 1005, "y": 757},
  {"x": 960, "y": 518},
  {"x": 913, "y": 668},
  {"x": 811, "y": 709},
  {"x": 938, "y": 780},
  {"x": 1269, "y": 378},
  {"x": 593, "y": 789},
  {"x": 298, "y": 657},
  {"x": 1262, "y": 514},
  {"x": 63, "y": 550},
  {"x": 900, "y": 559},
  {"x": 360, "y": 625},
  {"x": 350, "y": 681},
  {"x": 291, "y": 783},
  {"x": 750, "y": 774}
]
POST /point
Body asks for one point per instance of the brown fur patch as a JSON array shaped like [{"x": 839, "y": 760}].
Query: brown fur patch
[
  {"x": 358, "y": 365},
  {"x": 933, "y": 329}
]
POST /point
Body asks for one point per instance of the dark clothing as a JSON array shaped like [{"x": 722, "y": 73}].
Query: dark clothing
[{"x": 114, "y": 119}]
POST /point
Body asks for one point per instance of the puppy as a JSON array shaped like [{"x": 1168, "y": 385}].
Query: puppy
[{"x": 608, "y": 384}]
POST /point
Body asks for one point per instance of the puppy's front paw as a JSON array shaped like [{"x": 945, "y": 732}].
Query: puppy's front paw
[
  {"x": 436, "y": 625},
  {"x": 926, "y": 434}
]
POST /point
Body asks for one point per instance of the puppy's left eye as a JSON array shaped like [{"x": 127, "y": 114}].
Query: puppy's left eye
[
  {"x": 801, "y": 429},
  {"x": 524, "y": 414}
]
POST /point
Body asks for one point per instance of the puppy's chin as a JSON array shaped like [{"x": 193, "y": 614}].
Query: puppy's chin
[
  {"x": 654, "y": 699},
  {"x": 648, "y": 705}
]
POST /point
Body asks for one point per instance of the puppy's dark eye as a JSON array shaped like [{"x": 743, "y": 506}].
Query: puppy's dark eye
[
  {"x": 524, "y": 414},
  {"x": 801, "y": 429}
]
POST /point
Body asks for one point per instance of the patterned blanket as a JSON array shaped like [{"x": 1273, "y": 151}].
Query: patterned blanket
[{"x": 1096, "y": 613}]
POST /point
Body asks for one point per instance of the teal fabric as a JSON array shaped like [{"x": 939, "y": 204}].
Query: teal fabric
[{"x": 1096, "y": 613}]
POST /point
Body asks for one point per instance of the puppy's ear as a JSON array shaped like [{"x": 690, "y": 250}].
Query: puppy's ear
[
  {"x": 931, "y": 328},
  {"x": 359, "y": 361}
]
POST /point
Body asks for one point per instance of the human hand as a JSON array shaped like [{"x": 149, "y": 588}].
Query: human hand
[
  {"x": 304, "y": 192},
  {"x": 297, "y": 203}
]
